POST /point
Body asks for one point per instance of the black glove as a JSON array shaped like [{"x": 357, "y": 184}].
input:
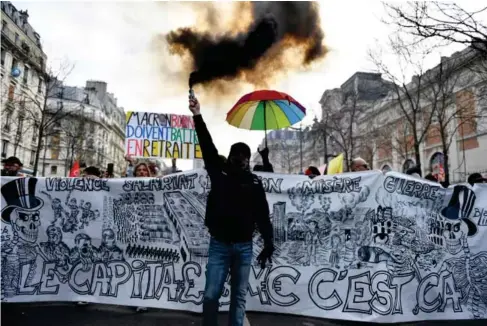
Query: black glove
[{"x": 265, "y": 255}]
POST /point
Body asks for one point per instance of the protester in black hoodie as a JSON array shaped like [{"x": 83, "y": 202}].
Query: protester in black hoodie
[{"x": 236, "y": 203}]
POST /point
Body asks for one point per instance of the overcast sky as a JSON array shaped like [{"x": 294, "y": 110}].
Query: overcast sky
[{"x": 112, "y": 42}]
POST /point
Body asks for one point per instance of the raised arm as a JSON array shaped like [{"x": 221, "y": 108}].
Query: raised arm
[{"x": 213, "y": 163}]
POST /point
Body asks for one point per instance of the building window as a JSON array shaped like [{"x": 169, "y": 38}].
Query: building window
[
  {"x": 8, "y": 118},
  {"x": 53, "y": 169},
  {"x": 4, "y": 148},
  {"x": 26, "y": 75},
  {"x": 20, "y": 125},
  {"x": 32, "y": 157},
  {"x": 16, "y": 37},
  {"x": 55, "y": 140},
  {"x": 4, "y": 53},
  {"x": 4, "y": 25},
  {"x": 35, "y": 131},
  {"x": 39, "y": 86},
  {"x": 11, "y": 92}
]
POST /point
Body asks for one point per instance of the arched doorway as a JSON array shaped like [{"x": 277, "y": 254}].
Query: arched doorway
[
  {"x": 437, "y": 166},
  {"x": 407, "y": 165},
  {"x": 386, "y": 168}
]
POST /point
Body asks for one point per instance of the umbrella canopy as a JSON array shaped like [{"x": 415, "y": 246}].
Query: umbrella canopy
[{"x": 265, "y": 110}]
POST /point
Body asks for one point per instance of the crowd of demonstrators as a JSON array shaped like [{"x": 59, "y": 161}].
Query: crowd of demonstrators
[{"x": 236, "y": 204}]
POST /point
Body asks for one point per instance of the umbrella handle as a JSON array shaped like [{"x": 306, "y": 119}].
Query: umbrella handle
[{"x": 265, "y": 125}]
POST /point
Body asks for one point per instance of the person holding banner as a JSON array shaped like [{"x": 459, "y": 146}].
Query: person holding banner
[
  {"x": 236, "y": 203},
  {"x": 359, "y": 165}
]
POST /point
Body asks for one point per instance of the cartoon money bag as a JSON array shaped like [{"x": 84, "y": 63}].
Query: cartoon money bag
[{"x": 21, "y": 212}]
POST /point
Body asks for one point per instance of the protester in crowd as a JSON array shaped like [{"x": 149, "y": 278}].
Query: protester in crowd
[
  {"x": 476, "y": 178},
  {"x": 91, "y": 172},
  {"x": 431, "y": 177},
  {"x": 415, "y": 172},
  {"x": 236, "y": 204},
  {"x": 358, "y": 165},
  {"x": 12, "y": 167},
  {"x": 142, "y": 170},
  {"x": 312, "y": 172},
  {"x": 266, "y": 165}
]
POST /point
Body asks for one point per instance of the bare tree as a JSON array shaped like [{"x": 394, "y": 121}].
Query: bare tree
[
  {"x": 443, "y": 22},
  {"x": 407, "y": 96},
  {"x": 47, "y": 116},
  {"x": 281, "y": 155},
  {"x": 342, "y": 126},
  {"x": 453, "y": 103},
  {"x": 74, "y": 136}
]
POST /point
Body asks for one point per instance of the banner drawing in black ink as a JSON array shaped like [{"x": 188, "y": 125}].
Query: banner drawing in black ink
[
  {"x": 21, "y": 212},
  {"x": 319, "y": 236},
  {"x": 187, "y": 214},
  {"x": 469, "y": 271},
  {"x": 69, "y": 219}
]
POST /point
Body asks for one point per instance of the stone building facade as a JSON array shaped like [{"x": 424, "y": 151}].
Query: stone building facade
[
  {"x": 93, "y": 132},
  {"x": 22, "y": 76},
  {"x": 462, "y": 126}
]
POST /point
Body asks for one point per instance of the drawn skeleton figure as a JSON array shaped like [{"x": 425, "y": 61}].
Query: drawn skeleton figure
[
  {"x": 71, "y": 221},
  {"x": 468, "y": 271},
  {"x": 55, "y": 250},
  {"x": 109, "y": 250},
  {"x": 22, "y": 213},
  {"x": 83, "y": 252}
]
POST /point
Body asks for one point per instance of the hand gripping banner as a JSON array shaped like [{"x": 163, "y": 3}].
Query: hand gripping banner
[{"x": 358, "y": 246}]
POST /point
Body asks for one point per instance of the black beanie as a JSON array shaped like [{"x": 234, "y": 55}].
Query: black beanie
[{"x": 240, "y": 148}]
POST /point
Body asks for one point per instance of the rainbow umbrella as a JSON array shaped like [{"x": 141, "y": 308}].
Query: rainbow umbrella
[{"x": 265, "y": 110}]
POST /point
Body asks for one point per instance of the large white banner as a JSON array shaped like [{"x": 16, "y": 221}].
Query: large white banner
[{"x": 362, "y": 246}]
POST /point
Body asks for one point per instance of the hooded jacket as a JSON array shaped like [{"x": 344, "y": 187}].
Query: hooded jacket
[{"x": 236, "y": 202}]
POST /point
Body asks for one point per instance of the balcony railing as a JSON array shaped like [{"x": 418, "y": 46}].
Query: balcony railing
[{"x": 23, "y": 47}]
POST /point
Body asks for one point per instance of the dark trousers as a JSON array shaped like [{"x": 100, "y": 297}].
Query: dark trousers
[{"x": 223, "y": 257}]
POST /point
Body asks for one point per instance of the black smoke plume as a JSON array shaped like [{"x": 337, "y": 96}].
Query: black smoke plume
[{"x": 275, "y": 27}]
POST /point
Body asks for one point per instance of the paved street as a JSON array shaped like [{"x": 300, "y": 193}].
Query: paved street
[{"x": 108, "y": 315}]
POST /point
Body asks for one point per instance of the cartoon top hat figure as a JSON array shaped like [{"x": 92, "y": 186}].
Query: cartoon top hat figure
[
  {"x": 461, "y": 206},
  {"x": 20, "y": 193}
]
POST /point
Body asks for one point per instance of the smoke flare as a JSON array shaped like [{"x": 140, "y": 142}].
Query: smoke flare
[{"x": 277, "y": 32}]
